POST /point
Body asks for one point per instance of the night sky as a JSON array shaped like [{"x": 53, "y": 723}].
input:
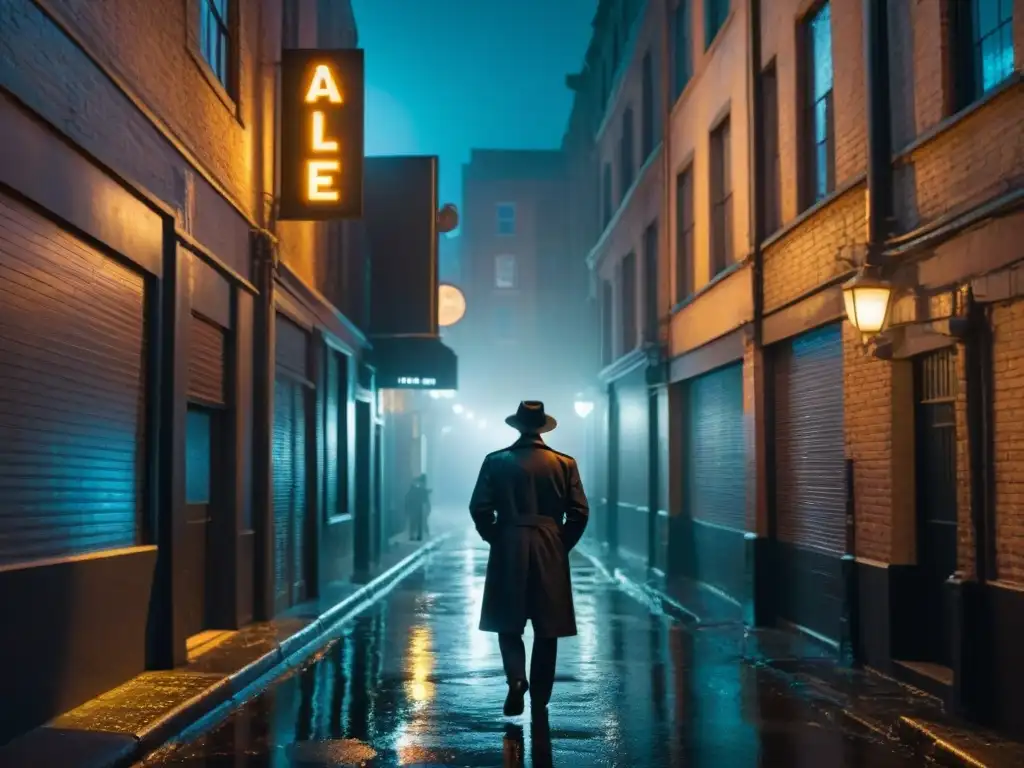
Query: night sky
[{"x": 444, "y": 76}]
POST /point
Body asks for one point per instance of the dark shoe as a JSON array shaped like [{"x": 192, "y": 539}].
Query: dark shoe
[{"x": 514, "y": 702}]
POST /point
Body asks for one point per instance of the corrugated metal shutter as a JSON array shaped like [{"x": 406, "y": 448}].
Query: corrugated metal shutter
[
  {"x": 205, "y": 362},
  {"x": 291, "y": 347},
  {"x": 284, "y": 481},
  {"x": 716, "y": 489},
  {"x": 72, "y": 392},
  {"x": 299, "y": 494},
  {"x": 809, "y": 450}
]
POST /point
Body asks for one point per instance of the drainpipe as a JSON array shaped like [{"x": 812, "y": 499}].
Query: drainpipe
[
  {"x": 757, "y": 544},
  {"x": 876, "y": 60}
]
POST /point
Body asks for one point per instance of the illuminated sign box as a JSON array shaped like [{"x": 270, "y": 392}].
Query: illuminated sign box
[
  {"x": 413, "y": 363},
  {"x": 322, "y": 139}
]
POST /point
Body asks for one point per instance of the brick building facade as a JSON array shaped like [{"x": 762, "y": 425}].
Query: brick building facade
[
  {"x": 190, "y": 427},
  {"x": 880, "y": 507}
]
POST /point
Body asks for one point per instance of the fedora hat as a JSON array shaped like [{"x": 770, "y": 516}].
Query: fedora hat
[{"x": 530, "y": 417}]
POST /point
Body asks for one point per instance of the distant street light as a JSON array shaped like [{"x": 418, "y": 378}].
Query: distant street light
[
  {"x": 469, "y": 415},
  {"x": 583, "y": 408},
  {"x": 457, "y": 408},
  {"x": 446, "y": 429}
]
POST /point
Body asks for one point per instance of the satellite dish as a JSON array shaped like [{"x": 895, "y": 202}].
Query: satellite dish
[
  {"x": 451, "y": 305},
  {"x": 447, "y": 219}
]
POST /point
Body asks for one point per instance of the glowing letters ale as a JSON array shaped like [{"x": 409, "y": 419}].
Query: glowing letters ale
[{"x": 321, "y": 135}]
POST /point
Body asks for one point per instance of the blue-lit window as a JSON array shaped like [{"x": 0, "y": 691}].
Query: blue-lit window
[
  {"x": 215, "y": 38},
  {"x": 197, "y": 456},
  {"x": 506, "y": 219},
  {"x": 505, "y": 272},
  {"x": 682, "y": 50},
  {"x": 819, "y": 117},
  {"x": 715, "y": 14},
  {"x": 986, "y": 35}
]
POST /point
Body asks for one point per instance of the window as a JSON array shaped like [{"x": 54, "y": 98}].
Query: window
[
  {"x": 647, "y": 98},
  {"x": 606, "y": 196},
  {"x": 715, "y": 14},
  {"x": 682, "y": 53},
  {"x": 506, "y": 219},
  {"x": 984, "y": 46},
  {"x": 215, "y": 39},
  {"x": 198, "y": 453},
  {"x": 505, "y": 273},
  {"x": 721, "y": 199},
  {"x": 629, "y": 329},
  {"x": 684, "y": 234},
  {"x": 819, "y": 157},
  {"x": 651, "y": 282},
  {"x": 626, "y": 153},
  {"x": 607, "y": 304},
  {"x": 771, "y": 203}
]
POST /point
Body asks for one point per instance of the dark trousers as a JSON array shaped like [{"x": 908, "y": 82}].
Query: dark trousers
[
  {"x": 417, "y": 526},
  {"x": 542, "y": 663}
]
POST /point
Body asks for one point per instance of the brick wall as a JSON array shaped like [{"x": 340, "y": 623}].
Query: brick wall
[
  {"x": 148, "y": 45},
  {"x": 964, "y": 528},
  {"x": 868, "y": 413},
  {"x": 1008, "y": 404},
  {"x": 805, "y": 258}
]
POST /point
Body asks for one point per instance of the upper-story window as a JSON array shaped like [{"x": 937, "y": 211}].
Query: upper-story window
[
  {"x": 771, "y": 199},
  {"x": 648, "y": 116},
  {"x": 628, "y": 298},
  {"x": 215, "y": 38},
  {"x": 819, "y": 118},
  {"x": 607, "y": 307},
  {"x": 715, "y": 14},
  {"x": 684, "y": 234},
  {"x": 721, "y": 198},
  {"x": 505, "y": 272},
  {"x": 682, "y": 49},
  {"x": 506, "y": 219},
  {"x": 983, "y": 32},
  {"x": 627, "y": 153},
  {"x": 606, "y": 196}
]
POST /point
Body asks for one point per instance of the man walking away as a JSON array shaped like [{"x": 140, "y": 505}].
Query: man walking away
[
  {"x": 416, "y": 500},
  {"x": 529, "y": 505}
]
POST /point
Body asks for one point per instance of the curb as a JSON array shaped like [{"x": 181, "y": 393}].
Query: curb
[
  {"x": 913, "y": 734},
  {"x": 208, "y": 708}
]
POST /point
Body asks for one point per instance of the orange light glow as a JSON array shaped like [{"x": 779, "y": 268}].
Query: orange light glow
[
  {"x": 320, "y": 142},
  {"x": 320, "y": 186},
  {"x": 322, "y": 86}
]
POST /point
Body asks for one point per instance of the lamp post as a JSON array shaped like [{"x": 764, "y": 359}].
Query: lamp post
[{"x": 868, "y": 300}]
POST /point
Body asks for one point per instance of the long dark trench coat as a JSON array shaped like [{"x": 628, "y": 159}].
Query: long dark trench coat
[{"x": 529, "y": 505}]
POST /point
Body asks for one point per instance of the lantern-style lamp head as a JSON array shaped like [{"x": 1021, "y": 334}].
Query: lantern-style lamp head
[{"x": 867, "y": 300}]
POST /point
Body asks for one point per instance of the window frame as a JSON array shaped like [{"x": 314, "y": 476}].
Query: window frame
[
  {"x": 226, "y": 89},
  {"x": 714, "y": 22},
  {"x": 685, "y": 239},
  {"x": 651, "y": 243},
  {"x": 627, "y": 152},
  {"x": 810, "y": 191},
  {"x": 648, "y": 110},
  {"x": 721, "y": 249},
  {"x": 682, "y": 39},
  {"x": 771, "y": 210},
  {"x": 500, "y": 220},
  {"x": 506, "y": 258},
  {"x": 967, "y": 46}
]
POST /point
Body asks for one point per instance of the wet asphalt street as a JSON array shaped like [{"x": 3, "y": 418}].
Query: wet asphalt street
[{"x": 412, "y": 682}]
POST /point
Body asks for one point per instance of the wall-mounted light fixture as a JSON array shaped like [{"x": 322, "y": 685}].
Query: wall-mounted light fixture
[
  {"x": 868, "y": 300},
  {"x": 583, "y": 408}
]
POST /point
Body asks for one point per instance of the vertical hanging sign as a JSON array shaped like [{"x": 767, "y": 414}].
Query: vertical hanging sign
[{"x": 322, "y": 108}]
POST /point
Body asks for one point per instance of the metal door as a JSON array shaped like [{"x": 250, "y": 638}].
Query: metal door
[
  {"x": 810, "y": 479},
  {"x": 936, "y": 386},
  {"x": 72, "y": 362}
]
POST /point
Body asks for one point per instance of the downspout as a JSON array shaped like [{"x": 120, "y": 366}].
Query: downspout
[
  {"x": 879, "y": 176},
  {"x": 758, "y": 540}
]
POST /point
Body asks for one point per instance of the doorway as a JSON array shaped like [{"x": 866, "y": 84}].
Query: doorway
[
  {"x": 204, "y": 507},
  {"x": 936, "y": 386}
]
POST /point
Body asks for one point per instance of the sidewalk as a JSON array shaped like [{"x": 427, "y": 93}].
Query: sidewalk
[
  {"x": 124, "y": 724},
  {"x": 868, "y": 700}
]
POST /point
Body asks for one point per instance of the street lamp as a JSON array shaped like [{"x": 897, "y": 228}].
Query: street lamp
[
  {"x": 867, "y": 298},
  {"x": 583, "y": 408},
  {"x": 457, "y": 409}
]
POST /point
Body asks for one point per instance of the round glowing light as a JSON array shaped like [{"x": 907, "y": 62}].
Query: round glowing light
[
  {"x": 457, "y": 409},
  {"x": 867, "y": 299},
  {"x": 451, "y": 305},
  {"x": 583, "y": 408}
]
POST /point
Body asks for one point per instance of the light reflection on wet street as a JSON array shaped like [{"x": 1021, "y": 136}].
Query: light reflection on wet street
[{"x": 412, "y": 682}]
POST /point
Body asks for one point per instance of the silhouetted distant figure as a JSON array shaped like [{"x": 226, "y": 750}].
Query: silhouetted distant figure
[
  {"x": 529, "y": 505},
  {"x": 417, "y": 507}
]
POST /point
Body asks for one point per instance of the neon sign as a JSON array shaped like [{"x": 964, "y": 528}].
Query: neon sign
[{"x": 322, "y": 108}]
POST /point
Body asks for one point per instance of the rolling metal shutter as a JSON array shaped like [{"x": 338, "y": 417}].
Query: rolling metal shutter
[
  {"x": 633, "y": 418},
  {"x": 72, "y": 392},
  {"x": 809, "y": 450},
  {"x": 716, "y": 449},
  {"x": 291, "y": 471},
  {"x": 205, "y": 362},
  {"x": 810, "y": 479}
]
